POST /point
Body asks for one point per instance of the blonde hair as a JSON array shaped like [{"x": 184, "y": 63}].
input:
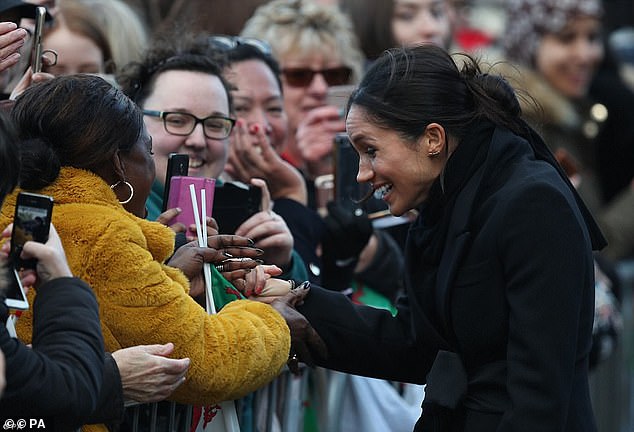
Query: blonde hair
[
  {"x": 304, "y": 27},
  {"x": 126, "y": 32}
]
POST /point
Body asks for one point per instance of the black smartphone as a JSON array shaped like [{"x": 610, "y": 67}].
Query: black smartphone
[
  {"x": 36, "y": 49},
  {"x": 234, "y": 203},
  {"x": 32, "y": 221},
  {"x": 347, "y": 191},
  {"x": 15, "y": 295},
  {"x": 177, "y": 165}
]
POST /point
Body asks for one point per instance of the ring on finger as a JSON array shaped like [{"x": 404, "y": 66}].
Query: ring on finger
[{"x": 293, "y": 360}]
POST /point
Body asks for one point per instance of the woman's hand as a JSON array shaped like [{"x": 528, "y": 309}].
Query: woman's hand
[
  {"x": 147, "y": 374},
  {"x": 28, "y": 79},
  {"x": 50, "y": 256},
  {"x": 315, "y": 139},
  {"x": 190, "y": 232},
  {"x": 273, "y": 288},
  {"x": 12, "y": 39},
  {"x": 305, "y": 341},
  {"x": 191, "y": 257},
  {"x": 269, "y": 231},
  {"x": 254, "y": 282},
  {"x": 251, "y": 155},
  {"x": 167, "y": 216}
]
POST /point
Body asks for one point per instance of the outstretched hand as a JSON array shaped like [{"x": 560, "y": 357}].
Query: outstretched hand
[
  {"x": 147, "y": 374},
  {"x": 221, "y": 249},
  {"x": 306, "y": 344},
  {"x": 254, "y": 282}
]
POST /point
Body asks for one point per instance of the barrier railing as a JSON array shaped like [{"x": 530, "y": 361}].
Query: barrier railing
[{"x": 281, "y": 405}]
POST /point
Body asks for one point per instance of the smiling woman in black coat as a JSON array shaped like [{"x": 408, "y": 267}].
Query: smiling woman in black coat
[{"x": 497, "y": 318}]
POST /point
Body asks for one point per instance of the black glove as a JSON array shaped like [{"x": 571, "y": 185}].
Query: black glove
[
  {"x": 345, "y": 237},
  {"x": 346, "y": 233}
]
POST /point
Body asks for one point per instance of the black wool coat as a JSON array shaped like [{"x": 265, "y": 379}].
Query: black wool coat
[
  {"x": 59, "y": 380},
  {"x": 512, "y": 300}
]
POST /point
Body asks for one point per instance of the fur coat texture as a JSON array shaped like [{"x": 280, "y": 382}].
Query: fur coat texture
[{"x": 144, "y": 301}]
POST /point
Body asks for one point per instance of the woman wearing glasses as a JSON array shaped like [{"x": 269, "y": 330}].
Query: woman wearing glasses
[
  {"x": 187, "y": 109},
  {"x": 85, "y": 144}
]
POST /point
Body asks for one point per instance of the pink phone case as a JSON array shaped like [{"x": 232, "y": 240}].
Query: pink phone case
[{"x": 180, "y": 196}]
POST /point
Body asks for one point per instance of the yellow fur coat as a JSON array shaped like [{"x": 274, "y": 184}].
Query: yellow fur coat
[{"x": 143, "y": 301}]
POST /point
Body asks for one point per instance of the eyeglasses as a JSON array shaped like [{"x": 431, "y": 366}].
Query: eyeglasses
[
  {"x": 302, "y": 77},
  {"x": 227, "y": 43},
  {"x": 183, "y": 124}
]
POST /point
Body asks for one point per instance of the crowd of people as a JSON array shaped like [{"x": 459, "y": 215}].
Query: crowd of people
[{"x": 482, "y": 302}]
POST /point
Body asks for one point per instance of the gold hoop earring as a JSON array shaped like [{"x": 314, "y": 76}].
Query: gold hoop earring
[{"x": 129, "y": 186}]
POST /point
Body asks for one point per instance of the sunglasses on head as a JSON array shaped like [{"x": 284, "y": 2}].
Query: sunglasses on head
[
  {"x": 227, "y": 43},
  {"x": 302, "y": 77}
]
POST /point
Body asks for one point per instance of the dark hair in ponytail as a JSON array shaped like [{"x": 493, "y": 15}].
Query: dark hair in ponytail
[
  {"x": 408, "y": 88},
  {"x": 75, "y": 120}
]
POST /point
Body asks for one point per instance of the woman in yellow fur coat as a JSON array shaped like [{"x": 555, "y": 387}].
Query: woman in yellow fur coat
[{"x": 84, "y": 144}]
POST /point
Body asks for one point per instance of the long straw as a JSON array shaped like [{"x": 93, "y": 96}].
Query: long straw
[
  {"x": 211, "y": 306},
  {"x": 228, "y": 407},
  {"x": 201, "y": 231}
]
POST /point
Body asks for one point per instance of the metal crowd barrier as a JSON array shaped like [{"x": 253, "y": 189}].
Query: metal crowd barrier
[
  {"x": 612, "y": 383},
  {"x": 283, "y": 401}
]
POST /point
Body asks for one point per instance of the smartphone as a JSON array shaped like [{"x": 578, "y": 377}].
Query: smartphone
[
  {"x": 338, "y": 96},
  {"x": 15, "y": 295},
  {"x": 234, "y": 203},
  {"x": 36, "y": 50},
  {"x": 177, "y": 165},
  {"x": 180, "y": 196},
  {"x": 32, "y": 221},
  {"x": 347, "y": 191}
]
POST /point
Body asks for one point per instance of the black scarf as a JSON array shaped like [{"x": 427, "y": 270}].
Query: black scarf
[
  {"x": 475, "y": 162},
  {"x": 430, "y": 229},
  {"x": 435, "y": 213}
]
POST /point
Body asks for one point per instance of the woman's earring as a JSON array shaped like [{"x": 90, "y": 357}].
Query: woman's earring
[
  {"x": 129, "y": 186},
  {"x": 432, "y": 154}
]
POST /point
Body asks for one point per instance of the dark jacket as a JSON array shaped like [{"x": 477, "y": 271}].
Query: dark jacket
[
  {"x": 512, "y": 295},
  {"x": 59, "y": 379}
]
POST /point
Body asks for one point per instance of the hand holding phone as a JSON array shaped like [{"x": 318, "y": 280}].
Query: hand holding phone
[
  {"x": 51, "y": 264},
  {"x": 32, "y": 220},
  {"x": 15, "y": 294},
  {"x": 37, "y": 50},
  {"x": 234, "y": 203},
  {"x": 177, "y": 165}
]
